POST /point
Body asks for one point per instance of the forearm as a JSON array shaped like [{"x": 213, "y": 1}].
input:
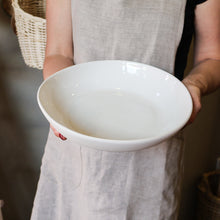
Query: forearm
[
  {"x": 205, "y": 76},
  {"x": 54, "y": 63}
]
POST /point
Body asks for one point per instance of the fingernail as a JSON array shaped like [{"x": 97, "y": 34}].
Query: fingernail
[{"x": 62, "y": 137}]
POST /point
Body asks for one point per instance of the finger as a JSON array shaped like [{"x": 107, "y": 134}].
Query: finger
[
  {"x": 196, "y": 109},
  {"x": 55, "y": 131},
  {"x": 58, "y": 134},
  {"x": 62, "y": 137},
  {"x": 196, "y": 99}
]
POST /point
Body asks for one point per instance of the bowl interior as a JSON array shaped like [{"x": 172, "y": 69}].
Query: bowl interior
[{"x": 115, "y": 100}]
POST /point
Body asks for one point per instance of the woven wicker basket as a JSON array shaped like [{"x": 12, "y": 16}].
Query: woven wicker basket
[
  {"x": 31, "y": 30},
  {"x": 209, "y": 196}
]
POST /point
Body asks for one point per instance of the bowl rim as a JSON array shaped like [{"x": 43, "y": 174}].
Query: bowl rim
[{"x": 153, "y": 139}]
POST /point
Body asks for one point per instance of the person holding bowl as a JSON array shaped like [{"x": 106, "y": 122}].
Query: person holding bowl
[{"x": 81, "y": 183}]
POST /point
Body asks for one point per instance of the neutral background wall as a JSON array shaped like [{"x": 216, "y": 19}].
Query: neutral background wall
[{"x": 23, "y": 133}]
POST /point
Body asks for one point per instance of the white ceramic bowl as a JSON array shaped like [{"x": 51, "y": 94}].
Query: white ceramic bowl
[{"x": 115, "y": 105}]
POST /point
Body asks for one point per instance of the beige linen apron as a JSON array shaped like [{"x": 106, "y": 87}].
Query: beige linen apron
[{"x": 80, "y": 183}]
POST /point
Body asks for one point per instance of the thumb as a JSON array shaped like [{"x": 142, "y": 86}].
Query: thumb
[{"x": 196, "y": 99}]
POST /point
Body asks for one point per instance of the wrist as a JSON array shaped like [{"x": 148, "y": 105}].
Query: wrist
[
  {"x": 205, "y": 76},
  {"x": 196, "y": 84},
  {"x": 197, "y": 81},
  {"x": 54, "y": 63}
]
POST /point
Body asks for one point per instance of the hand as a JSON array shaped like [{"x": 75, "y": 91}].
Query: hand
[
  {"x": 196, "y": 99},
  {"x": 58, "y": 134}
]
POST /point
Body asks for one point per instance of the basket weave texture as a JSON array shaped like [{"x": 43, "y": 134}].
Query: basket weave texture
[
  {"x": 31, "y": 30},
  {"x": 209, "y": 196}
]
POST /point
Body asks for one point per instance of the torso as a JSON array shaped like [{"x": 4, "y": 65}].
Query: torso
[{"x": 142, "y": 31}]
